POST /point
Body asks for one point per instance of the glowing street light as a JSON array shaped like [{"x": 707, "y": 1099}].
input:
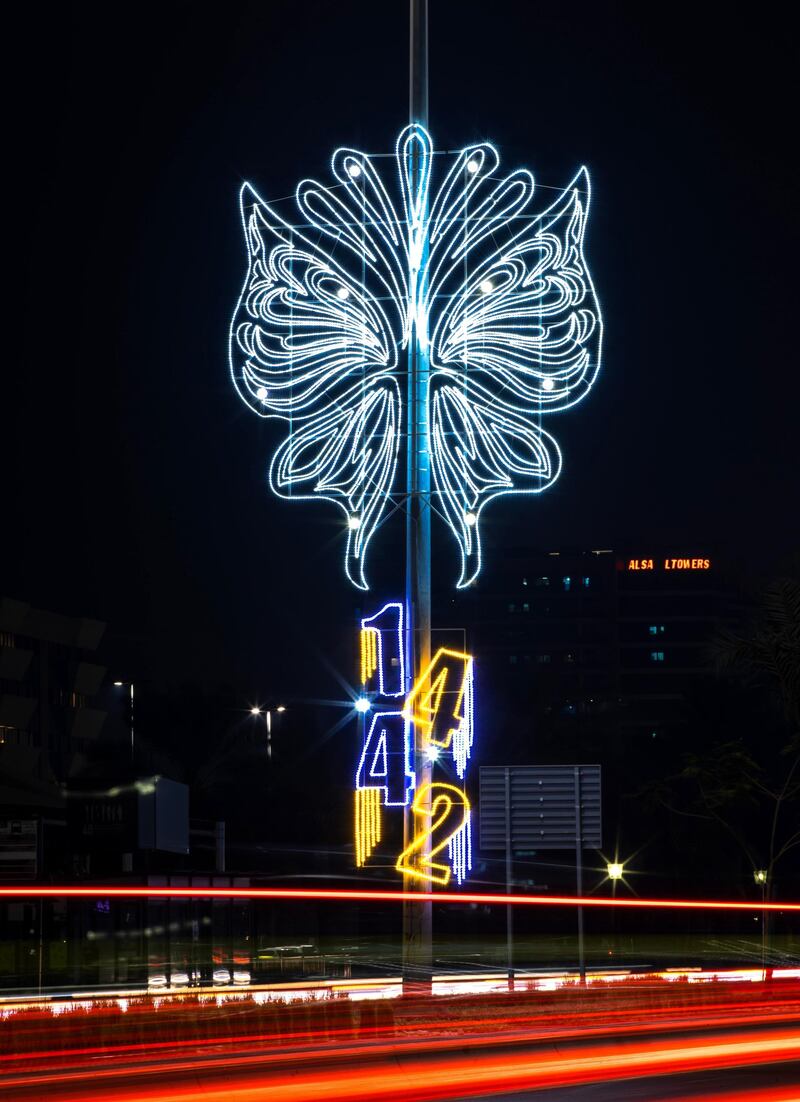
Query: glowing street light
[
  {"x": 761, "y": 876},
  {"x": 362, "y": 705},
  {"x": 267, "y": 713},
  {"x": 615, "y": 870}
]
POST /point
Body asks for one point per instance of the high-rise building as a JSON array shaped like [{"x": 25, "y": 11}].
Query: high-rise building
[
  {"x": 597, "y": 643},
  {"x": 48, "y": 723}
]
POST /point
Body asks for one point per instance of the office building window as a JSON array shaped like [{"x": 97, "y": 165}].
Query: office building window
[
  {"x": 567, "y": 584},
  {"x": 656, "y": 656},
  {"x": 586, "y": 582},
  {"x": 526, "y": 607},
  {"x": 512, "y": 659},
  {"x": 512, "y": 607},
  {"x": 656, "y": 629},
  {"x": 542, "y": 582},
  {"x": 542, "y": 657}
]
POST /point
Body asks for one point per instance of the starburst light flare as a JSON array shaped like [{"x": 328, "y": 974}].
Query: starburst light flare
[{"x": 452, "y": 256}]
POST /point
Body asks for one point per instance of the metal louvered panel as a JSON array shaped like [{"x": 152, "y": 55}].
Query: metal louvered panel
[{"x": 543, "y": 807}]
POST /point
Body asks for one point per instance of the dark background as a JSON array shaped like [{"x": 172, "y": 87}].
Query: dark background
[{"x": 134, "y": 484}]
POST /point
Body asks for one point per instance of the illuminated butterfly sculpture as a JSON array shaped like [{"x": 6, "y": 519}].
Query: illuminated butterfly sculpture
[{"x": 499, "y": 299}]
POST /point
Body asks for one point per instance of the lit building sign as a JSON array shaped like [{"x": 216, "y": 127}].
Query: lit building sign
[
  {"x": 668, "y": 564},
  {"x": 440, "y": 708}
]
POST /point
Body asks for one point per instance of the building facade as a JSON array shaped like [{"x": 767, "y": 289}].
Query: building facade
[
  {"x": 600, "y": 644},
  {"x": 49, "y": 722}
]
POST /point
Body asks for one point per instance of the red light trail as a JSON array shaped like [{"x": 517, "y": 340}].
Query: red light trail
[
  {"x": 507, "y": 1031},
  {"x": 404, "y": 1078},
  {"x": 364, "y": 895}
]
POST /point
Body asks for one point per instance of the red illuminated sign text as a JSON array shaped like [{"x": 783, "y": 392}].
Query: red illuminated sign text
[{"x": 669, "y": 564}]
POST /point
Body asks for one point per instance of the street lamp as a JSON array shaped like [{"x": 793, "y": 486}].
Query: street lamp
[
  {"x": 256, "y": 711},
  {"x": 615, "y": 870},
  {"x": 128, "y": 685},
  {"x": 362, "y": 705},
  {"x": 761, "y": 876}
]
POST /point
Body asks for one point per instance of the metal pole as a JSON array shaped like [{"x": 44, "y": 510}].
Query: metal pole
[
  {"x": 219, "y": 845},
  {"x": 417, "y": 914},
  {"x": 764, "y": 931},
  {"x": 133, "y": 745},
  {"x": 509, "y": 881},
  {"x": 41, "y": 942},
  {"x": 579, "y": 871}
]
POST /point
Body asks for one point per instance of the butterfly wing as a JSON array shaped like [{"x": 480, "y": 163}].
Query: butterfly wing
[
  {"x": 311, "y": 344},
  {"x": 517, "y": 337},
  {"x": 479, "y": 450}
]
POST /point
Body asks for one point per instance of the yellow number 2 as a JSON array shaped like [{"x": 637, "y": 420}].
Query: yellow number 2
[{"x": 440, "y": 820}]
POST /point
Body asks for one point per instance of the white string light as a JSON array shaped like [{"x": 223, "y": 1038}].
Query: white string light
[
  {"x": 459, "y": 850},
  {"x": 500, "y": 298}
]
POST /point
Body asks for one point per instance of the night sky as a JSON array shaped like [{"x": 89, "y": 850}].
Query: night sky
[{"x": 134, "y": 484}]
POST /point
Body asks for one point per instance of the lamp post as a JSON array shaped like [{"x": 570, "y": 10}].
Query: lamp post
[
  {"x": 761, "y": 877},
  {"x": 267, "y": 713},
  {"x": 615, "y": 872},
  {"x": 128, "y": 685}
]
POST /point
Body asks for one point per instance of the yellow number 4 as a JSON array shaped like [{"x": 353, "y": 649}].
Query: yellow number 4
[{"x": 437, "y": 704}]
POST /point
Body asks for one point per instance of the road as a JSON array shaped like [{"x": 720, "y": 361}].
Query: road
[{"x": 720, "y": 1057}]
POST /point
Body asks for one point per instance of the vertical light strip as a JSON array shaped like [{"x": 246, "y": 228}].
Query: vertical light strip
[
  {"x": 369, "y": 653},
  {"x": 464, "y": 734},
  {"x": 368, "y": 827},
  {"x": 460, "y": 850}
]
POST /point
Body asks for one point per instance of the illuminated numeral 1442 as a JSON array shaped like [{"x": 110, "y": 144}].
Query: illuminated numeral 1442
[{"x": 440, "y": 707}]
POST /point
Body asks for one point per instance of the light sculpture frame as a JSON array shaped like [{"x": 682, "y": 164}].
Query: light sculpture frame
[{"x": 498, "y": 297}]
